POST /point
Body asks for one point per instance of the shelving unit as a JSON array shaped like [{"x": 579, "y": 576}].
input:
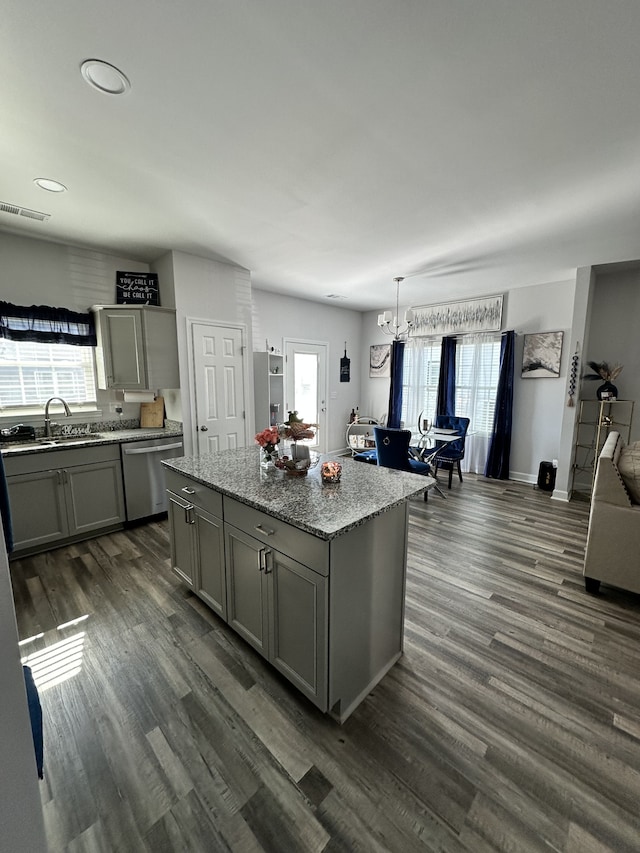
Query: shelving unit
[
  {"x": 596, "y": 419},
  {"x": 360, "y": 435},
  {"x": 268, "y": 389}
]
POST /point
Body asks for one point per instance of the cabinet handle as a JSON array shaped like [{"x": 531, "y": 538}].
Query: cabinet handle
[
  {"x": 267, "y": 553},
  {"x": 188, "y": 518},
  {"x": 261, "y": 560},
  {"x": 188, "y": 491},
  {"x": 264, "y": 530},
  {"x": 59, "y": 478}
]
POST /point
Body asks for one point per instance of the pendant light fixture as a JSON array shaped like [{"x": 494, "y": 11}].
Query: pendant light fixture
[{"x": 391, "y": 325}]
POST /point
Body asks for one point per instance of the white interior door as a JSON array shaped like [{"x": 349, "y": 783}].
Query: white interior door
[
  {"x": 218, "y": 363},
  {"x": 306, "y": 385}
]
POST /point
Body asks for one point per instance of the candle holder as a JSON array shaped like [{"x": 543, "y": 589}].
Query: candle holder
[{"x": 331, "y": 472}]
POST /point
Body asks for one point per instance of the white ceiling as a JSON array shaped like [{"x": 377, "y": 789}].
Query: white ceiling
[{"x": 330, "y": 145}]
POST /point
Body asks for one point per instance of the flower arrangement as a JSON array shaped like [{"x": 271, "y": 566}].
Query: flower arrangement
[
  {"x": 267, "y": 439},
  {"x": 296, "y": 429},
  {"x": 601, "y": 370}
]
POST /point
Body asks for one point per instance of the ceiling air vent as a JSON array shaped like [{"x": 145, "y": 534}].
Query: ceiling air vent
[{"x": 5, "y": 207}]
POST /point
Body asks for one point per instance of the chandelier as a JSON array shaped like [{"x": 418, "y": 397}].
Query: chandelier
[{"x": 391, "y": 325}]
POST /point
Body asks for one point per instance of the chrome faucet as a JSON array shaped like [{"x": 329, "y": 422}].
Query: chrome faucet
[{"x": 47, "y": 419}]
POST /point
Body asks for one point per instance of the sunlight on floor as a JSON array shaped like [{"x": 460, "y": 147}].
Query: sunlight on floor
[{"x": 59, "y": 662}]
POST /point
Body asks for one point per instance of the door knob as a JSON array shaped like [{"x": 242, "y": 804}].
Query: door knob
[{"x": 204, "y": 429}]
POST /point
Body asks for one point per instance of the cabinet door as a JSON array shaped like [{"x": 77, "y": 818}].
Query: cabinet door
[
  {"x": 161, "y": 347},
  {"x": 298, "y": 630},
  {"x": 247, "y": 588},
  {"x": 94, "y": 496},
  {"x": 38, "y": 509},
  {"x": 210, "y": 573},
  {"x": 182, "y": 539},
  {"x": 122, "y": 348}
]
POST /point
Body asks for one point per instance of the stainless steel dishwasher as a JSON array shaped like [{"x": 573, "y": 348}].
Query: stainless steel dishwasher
[{"x": 143, "y": 475}]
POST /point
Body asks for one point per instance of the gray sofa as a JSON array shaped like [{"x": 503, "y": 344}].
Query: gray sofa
[{"x": 613, "y": 542}]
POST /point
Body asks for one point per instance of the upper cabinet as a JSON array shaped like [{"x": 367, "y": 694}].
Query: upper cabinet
[{"x": 137, "y": 347}]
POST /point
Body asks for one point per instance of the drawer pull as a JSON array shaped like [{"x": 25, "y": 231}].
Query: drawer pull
[
  {"x": 188, "y": 491},
  {"x": 264, "y": 530}
]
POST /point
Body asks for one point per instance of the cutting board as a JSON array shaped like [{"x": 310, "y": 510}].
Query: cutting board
[{"x": 152, "y": 414}]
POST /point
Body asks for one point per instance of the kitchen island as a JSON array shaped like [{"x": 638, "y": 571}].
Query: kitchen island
[{"x": 312, "y": 575}]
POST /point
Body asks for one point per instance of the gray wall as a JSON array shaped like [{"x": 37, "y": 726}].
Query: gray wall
[
  {"x": 538, "y": 403},
  {"x": 614, "y": 335}
]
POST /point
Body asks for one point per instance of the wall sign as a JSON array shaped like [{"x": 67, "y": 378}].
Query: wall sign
[
  {"x": 137, "y": 288},
  {"x": 345, "y": 366}
]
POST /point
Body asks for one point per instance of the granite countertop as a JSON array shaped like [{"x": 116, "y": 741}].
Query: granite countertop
[
  {"x": 62, "y": 442},
  {"x": 324, "y": 510}
]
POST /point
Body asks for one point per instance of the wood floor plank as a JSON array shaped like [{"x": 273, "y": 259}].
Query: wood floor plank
[{"x": 511, "y": 722}]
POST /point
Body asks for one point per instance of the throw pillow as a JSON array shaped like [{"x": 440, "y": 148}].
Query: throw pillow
[{"x": 629, "y": 470}]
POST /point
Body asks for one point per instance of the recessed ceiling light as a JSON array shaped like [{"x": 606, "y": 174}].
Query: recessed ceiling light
[
  {"x": 105, "y": 77},
  {"x": 49, "y": 185}
]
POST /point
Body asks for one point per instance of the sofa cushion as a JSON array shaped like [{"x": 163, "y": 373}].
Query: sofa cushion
[{"x": 629, "y": 470}]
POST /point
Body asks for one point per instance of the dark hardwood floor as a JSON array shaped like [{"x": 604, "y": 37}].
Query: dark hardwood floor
[{"x": 512, "y": 722}]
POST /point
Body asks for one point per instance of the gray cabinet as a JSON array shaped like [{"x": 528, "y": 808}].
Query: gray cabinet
[
  {"x": 64, "y": 495},
  {"x": 197, "y": 541},
  {"x": 279, "y": 606},
  {"x": 137, "y": 347},
  {"x": 328, "y": 614},
  {"x": 181, "y": 537},
  {"x": 38, "y": 508},
  {"x": 298, "y": 636}
]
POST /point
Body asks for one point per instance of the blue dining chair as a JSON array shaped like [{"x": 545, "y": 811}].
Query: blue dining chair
[
  {"x": 451, "y": 454},
  {"x": 392, "y": 451}
]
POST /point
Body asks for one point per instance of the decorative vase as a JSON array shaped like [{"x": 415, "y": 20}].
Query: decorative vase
[
  {"x": 268, "y": 458},
  {"x": 607, "y": 391}
]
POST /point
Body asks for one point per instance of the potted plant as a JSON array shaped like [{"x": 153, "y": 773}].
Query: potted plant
[{"x": 602, "y": 370}]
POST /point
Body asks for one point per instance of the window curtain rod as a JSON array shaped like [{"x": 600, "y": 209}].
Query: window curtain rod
[{"x": 46, "y": 325}]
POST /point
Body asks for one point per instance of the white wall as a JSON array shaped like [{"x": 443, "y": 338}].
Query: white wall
[
  {"x": 538, "y": 403},
  {"x": 374, "y": 395},
  {"x": 276, "y": 317},
  {"x": 36, "y": 272},
  {"x": 216, "y": 292}
]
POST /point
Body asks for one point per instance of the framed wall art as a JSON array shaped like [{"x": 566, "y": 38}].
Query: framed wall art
[
  {"x": 380, "y": 360},
  {"x": 541, "y": 355},
  {"x": 453, "y": 318}
]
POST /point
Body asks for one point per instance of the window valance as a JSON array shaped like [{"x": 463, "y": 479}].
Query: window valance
[{"x": 46, "y": 325}]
